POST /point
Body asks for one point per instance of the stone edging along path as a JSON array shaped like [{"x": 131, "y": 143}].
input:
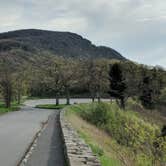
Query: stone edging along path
[{"x": 77, "y": 152}]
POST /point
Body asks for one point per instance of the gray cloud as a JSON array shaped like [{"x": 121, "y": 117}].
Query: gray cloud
[{"x": 136, "y": 28}]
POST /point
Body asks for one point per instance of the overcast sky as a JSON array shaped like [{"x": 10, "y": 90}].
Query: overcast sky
[{"x": 135, "y": 28}]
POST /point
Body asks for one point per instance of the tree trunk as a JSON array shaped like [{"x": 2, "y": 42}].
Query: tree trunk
[
  {"x": 57, "y": 100},
  {"x": 67, "y": 96},
  {"x": 19, "y": 98},
  {"x": 111, "y": 100},
  {"x": 7, "y": 102},
  {"x": 122, "y": 103},
  {"x": 8, "y": 94},
  {"x": 98, "y": 97},
  {"x": 92, "y": 93}
]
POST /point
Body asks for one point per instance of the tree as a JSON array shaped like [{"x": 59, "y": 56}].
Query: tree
[
  {"x": 150, "y": 87},
  {"x": 96, "y": 79},
  {"x": 131, "y": 73},
  {"x": 7, "y": 70},
  {"x": 91, "y": 78},
  {"x": 163, "y": 131},
  {"x": 69, "y": 75},
  {"x": 146, "y": 97},
  {"x": 157, "y": 84},
  {"x": 101, "y": 77},
  {"x": 117, "y": 84},
  {"x": 54, "y": 78},
  {"x": 21, "y": 82},
  {"x": 146, "y": 92}
]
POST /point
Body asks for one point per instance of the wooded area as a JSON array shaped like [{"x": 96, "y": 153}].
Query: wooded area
[{"x": 53, "y": 76}]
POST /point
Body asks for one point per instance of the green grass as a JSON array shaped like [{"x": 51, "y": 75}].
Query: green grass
[
  {"x": 107, "y": 161},
  {"x": 104, "y": 159},
  {"x": 14, "y": 107},
  {"x": 51, "y": 106}
]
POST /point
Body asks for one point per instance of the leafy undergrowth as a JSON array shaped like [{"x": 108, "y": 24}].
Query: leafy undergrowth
[
  {"x": 51, "y": 106},
  {"x": 14, "y": 107},
  {"x": 152, "y": 116},
  {"x": 99, "y": 141},
  {"x": 135, "y": 141}
]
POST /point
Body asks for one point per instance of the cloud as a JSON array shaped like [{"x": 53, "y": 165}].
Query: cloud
[
  {"x": 67, "y": 23},
  {"x": 9, "y": 20},
  {"x": 136, "y": 28}
]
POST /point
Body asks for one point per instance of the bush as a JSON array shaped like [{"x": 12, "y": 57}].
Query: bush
[
  {"x": 97, "y": 114},
  {"x": 127, "y": 129},
  {"x": 162, "y": 98}
]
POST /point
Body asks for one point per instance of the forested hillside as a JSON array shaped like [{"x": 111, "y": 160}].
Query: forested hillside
[{"x": 64, "y": 44}]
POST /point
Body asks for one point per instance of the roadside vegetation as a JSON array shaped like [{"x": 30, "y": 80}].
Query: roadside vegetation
[
  {"x": 133, "y": 140},
  {"x": 14, "y": 107},
  {"x": 51, "y": 106}
]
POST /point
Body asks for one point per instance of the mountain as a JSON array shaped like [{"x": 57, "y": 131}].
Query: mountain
[{"x": 65, "y": 44}]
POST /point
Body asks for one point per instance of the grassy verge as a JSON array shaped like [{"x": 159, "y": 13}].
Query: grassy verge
[
  {"x": 120, "y": 137},
  {"x": 14, "y": 107},
  {"x": 100, "y": 142},
  {"x": 51, "y": 106},
  {"x": 106, "y": 159}
]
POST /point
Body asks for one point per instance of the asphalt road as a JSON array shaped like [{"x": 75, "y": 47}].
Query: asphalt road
[
  {"x": 49, "y": 149},
  {"x": 17, "y": 129},
  {"x": 33, "y": 103}
]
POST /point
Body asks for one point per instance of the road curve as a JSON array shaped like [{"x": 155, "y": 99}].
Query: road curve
[
  {"x": 32, "y": 103},
  {"x": 17, "y": 129}
]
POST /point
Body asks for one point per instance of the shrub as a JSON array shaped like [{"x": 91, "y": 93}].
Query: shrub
[
  {"x": 127, "y": 129},
  {"x": 162, "y": 98},
  {"x": 97, "y": 114}
]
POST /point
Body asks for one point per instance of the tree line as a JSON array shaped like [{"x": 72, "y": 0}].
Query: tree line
[
  {"x": 140, "y": 82},
  {"x": 55, "y": 76}
]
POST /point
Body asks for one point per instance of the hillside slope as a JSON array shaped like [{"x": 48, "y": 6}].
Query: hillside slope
[{"x": 60, "y": 43}]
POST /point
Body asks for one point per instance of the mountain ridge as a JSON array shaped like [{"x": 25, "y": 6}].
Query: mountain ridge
[{"x": 66, "y": 44}]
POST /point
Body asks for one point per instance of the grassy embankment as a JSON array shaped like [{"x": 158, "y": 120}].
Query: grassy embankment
[
  {"x": 120, "y": 137},
  {"x": 51, "y": 106},
  {"x": 14, "y": 107}
]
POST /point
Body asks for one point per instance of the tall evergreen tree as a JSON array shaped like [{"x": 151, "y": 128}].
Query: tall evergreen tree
[{"x": 117, "y": 84}]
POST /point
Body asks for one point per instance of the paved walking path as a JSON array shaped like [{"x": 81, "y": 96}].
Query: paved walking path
[
  {"x": 17, "y": 130},
  {"x": 49, "y": 149}
]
